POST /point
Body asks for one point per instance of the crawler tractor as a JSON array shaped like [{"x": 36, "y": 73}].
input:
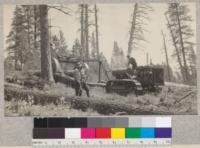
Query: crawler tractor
[{"x": 139, "y": 81}]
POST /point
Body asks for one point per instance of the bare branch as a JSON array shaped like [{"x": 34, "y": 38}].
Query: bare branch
[{"x": 60, "y": 9}]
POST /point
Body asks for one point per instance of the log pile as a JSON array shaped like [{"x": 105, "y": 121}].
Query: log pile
[
  {"x": 24, "y": 89},
  {"x": 101, "y": 105}
]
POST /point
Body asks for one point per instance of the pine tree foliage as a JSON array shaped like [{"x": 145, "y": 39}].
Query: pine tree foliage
[
  {"x": 93, "y": 47},
  {"x": 139, "y": 20},
  {"x": 61, "y": 47},
  {"x": 23, "y": 39},
  {"x": 179, "y": 24},
  {"x": 76, "y": 49},
  {"x": 85, "y": 12},
  {"x": 118, "y": 59}
]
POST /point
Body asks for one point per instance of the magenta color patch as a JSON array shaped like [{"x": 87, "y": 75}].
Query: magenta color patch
[{"x": 87, "y": 133}]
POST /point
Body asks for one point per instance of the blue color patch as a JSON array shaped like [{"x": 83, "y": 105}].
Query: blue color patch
[{"x": 147, "y": 133}]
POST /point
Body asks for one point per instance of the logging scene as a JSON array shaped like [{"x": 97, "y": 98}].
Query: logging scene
[{"x": 100, "y": 59}]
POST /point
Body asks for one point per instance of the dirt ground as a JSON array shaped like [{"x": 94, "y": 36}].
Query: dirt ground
[{"x": 178, "y": 100}]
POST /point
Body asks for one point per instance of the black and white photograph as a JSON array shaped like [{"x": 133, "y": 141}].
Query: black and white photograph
[{"x": 106, "y": 59}]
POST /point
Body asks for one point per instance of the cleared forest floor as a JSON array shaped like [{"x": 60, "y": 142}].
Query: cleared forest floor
[{"x": 171, "y": 100}]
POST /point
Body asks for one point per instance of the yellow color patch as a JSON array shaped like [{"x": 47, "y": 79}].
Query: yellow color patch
[{"x": 117, "y": 133}]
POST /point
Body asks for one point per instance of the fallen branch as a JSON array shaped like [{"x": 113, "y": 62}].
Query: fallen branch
[{"x": 184, "y": 97}]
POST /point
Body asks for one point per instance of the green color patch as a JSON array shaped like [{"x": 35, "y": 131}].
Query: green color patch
[{"x": 133, "y": 132}]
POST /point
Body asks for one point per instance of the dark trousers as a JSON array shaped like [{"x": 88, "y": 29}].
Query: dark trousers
[
  {"x": 79, "y": 86},
  {"x": 86, "y": 88},
  {"x": 78, "y": 89}
]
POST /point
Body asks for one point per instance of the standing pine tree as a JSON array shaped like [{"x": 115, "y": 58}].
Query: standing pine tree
[
  {"x": 137, "y": 29},
  {"x": 106, "y": 70},
  {"x": 46, "y": 64},
  {"x": 93, "y": 47},
  {"x": 60, "y": 44},
  {"x": 31, "y": 13},
  {"x": 192, "y": 64},
  {"x": 87, "y": 50},
  {"x": 118, "y": 59},
  {"x": 179, "y": 21},
  {"x": 17, "y": 39},
  {"x": 176, "y": 53},
  {"x": 23, "y": 40},
  {"x": 36, "y": 27},
  {"x": 85, "y": 24},
  {"x": 76, "y": 49},
  {"x": 96, "y": 29},
  {"x": 29, "y": 18}
]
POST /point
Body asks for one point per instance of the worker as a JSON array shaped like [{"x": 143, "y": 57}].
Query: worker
[
  {"x": 131, "y": 63},
  {"x": 84, "y": 75},
  {"x": 77, "y": 78}
]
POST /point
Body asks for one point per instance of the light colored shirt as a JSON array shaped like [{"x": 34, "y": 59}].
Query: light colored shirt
[{"x": 77, "y": 74}]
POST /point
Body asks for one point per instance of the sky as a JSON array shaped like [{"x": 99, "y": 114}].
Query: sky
[{"x": 114, "y": 25}]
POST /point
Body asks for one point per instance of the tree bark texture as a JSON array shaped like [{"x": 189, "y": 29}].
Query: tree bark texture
[
  {"x": 46, "y": 65},
  {"x": 166, "y": 57}
]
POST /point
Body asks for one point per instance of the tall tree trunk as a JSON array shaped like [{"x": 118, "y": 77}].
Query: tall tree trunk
[
  {"x": 130, "y": 43},
  {"x": 28, "y": 9},
  {"x": 15, "y": 60},
  {"x": 182, "y": 44},
  {"x": 193, "y": 61},
  {"x": 97, "y": 41},
  {"x": 82, "y": 31},
  {"x": 46, "y": 65},
  {"x": 177, "y": 51},
  {"x": 35, "y": 27},
  {"x": 96, "y": 29},
  {"x": 166, "y": 57},
  {"x": 86, "y": 32},
  {"x": 15, "y": 52},
  {"x": 22, "y": 61}
]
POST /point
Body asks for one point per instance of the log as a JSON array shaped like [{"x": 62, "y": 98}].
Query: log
[
  {"x": 184, "y": 97},
  {"x": 20, "y": 93},
  {"x": 97, "y": 84},
  {"x": 68, "y": 80},
  {"x": 36, "y": 82},
  {"x": 65, "y": 79},
  {"x": 172, "y": 84},
  {"x": 100, "y": 105}
]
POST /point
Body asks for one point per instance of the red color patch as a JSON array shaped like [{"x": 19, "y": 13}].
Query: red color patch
[{"x": 103, "y": 133}]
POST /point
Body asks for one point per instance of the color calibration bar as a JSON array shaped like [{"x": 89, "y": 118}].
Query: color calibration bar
[
  {"x": 102, "y": 131},
  {"x": 105, "y": 133}
]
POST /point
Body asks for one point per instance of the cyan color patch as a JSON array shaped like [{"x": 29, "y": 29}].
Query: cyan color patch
[{"x": 147, "y": 133}]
